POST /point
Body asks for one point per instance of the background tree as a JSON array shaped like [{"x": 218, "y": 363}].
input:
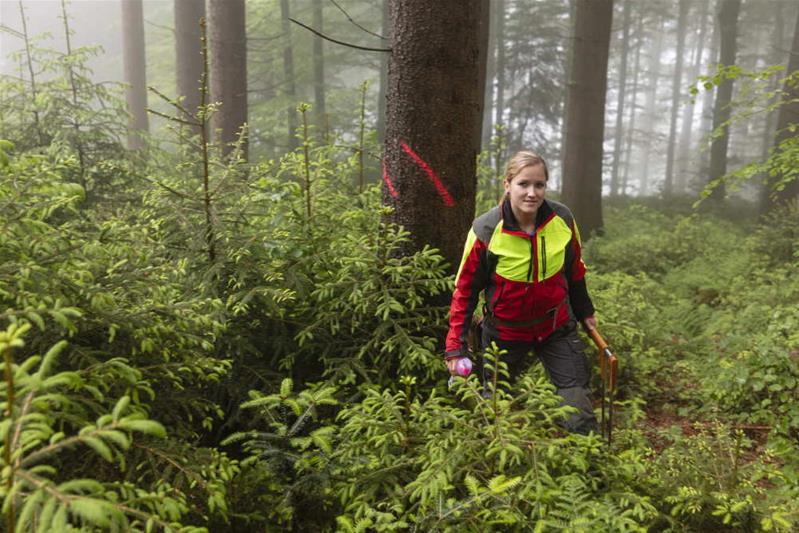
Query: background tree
[
  {"x": 135, "y": 71},
  {"x": 188, "y": 51},
  {"x": 676, "y": 92},
  {"x": 582, "y": 172},
  {"x": 728, "y": 31},
  {"x": 788, "y": 118},
  {"x": 228, "y": 43},
  {"x": 288, "y": 73},
  {"x": 319, "y": 70},
  {"x": 621, "y": 93},
  {"x": 433, "y": 130}
]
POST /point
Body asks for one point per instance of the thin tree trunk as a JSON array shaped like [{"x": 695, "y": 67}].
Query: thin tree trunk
[
  {"x": 74, "y": 90},
  {"x": 567, "y": 74},
  {"x": 684, "y": 145},
  {"x": 707, "y": 107},
  {"x": 433, "y": 126},
  {"x": 491, "y": 70},
  {"x": 769, "y": 130},
  {"x": 628, "y": 150},
  {"x": 618, "y": 134},
  {"x": 499, "y": 113},
  {"x": 381, "y": 97},
  {"x": 789, "y": 116},
  {"x": 288, "y": 72},
  {"x": 675, "y": 97},
  {"x": 651, "y": 112},
  {"x": 483, "y": 45},
  {"x": 229, "y": 71},
  {"x": 188, "y": 52},
  {"x": 582, "y": 175},
  {"x": 135, "y": 71},
  {"x": 319, "y": 72},
  {"x": 728, "y": 22}
]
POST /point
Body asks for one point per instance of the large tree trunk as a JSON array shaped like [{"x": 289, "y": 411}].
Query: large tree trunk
[
  {"x": 288, "y": 72},
  {"x": 618, "y": 133},
  {"x": 582, "y": 173},
  {"x": 789, "y": 115},
  {"x": 135, "y": 71},
  {"x": 229, "y": 69},
  {"x": 684, "y": 150},
  {"x": 676, "y": 87},
  {"x": 433, "y": 131},
  {"x": 728, "y": 23},
  {"x": 188, "y": 51},
  {"x": 319, "y": 72}
]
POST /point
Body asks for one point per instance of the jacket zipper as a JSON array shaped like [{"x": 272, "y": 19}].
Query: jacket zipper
[
  {"x": 532, "y": 258},
  {"x": 543, "y": 257}
]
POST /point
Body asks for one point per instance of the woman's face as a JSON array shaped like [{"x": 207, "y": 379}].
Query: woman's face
[{"x": 526, "y": 191}]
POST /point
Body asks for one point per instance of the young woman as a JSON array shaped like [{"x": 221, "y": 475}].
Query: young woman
[{"x": 525, "y": 256}]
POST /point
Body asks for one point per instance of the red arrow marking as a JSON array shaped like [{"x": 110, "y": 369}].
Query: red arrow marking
[
  {"x": 442, "y": 191},
  {"x": 391, "y": 190}
]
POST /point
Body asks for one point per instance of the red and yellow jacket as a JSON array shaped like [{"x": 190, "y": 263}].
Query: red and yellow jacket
[{"x": 530, "y": 280}]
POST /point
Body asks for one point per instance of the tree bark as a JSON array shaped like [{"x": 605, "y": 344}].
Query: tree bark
[
  {"x": 728, "y": 25},
  {"x": 582, "y": 173},
  {"x": 135, "y": 71},
  {"x": 499, "y": 112},
  {"x": 188, "y": 51},
  {"x": 288, "y": 73},
  {"x": 618, "y": 134},
  {"x": 676, "y": 86},
  {"x": 319, "y": 72},
  {"x": 788, "y": 115},
  {"x": 433, "y": 130},
  {"x": 229, "y": 70}
]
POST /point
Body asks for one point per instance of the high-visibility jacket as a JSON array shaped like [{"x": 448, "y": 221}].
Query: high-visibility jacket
[{"x": 530, "y": 280}]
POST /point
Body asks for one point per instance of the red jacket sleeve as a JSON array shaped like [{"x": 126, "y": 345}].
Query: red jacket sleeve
[{"x": 470, "y": 281}]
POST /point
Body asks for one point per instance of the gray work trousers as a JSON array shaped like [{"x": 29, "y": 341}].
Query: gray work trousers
[{"x": 564, "y": 360}]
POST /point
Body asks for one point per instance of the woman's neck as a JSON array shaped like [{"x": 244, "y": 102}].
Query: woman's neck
[{"x": 526, "y": 222}]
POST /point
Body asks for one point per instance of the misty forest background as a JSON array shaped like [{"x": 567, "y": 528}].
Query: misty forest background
[{"x": 227, "y": 249}]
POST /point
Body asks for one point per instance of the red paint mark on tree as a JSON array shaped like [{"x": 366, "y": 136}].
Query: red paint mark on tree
[
  {"x": 442, "y": 191},
  {"x": 391, "y": 190}
]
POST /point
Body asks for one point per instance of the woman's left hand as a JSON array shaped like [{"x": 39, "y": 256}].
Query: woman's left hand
[{"x": 589, "y": 323}]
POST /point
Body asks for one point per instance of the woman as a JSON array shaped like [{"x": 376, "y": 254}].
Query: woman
[{"x": 525, "y": 255}]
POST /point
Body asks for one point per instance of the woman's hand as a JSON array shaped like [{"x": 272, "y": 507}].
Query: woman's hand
[{"x": 589, "y": 323}]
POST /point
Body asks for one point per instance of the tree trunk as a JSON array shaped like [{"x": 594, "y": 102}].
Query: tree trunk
[
  {"x": 789, "y": 115},
  {"x": 728, "y": 24},
  {"x": 684, "y": 150},
  {"x": 707, "y": 110},
  {"x": 628, "y": 150},
  {"x": 651, "y": 114},
  {"x": 491, "y": 72},
  {"x": 582, "y": 174},
  {"x": 381, "y": 97},
  {"x": 135, "y": 71},
  {"x": 319, "y": 72},
  {"x": 499, "y": 116},
  {"x": 617, "y": 141},
  {"x": 676, "y": 86},
  {"x": 433, "y": 130},
  {"x": 288, "y": 72},
  {"x": 188, "y": 51},
  {"x": 229, "y": 70},
  {"x": 567, "y": 72}
]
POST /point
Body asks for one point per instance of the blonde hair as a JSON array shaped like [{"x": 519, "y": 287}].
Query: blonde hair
[{"x": 522, "y": 160}]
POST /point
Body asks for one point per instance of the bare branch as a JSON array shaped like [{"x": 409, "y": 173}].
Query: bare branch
[
  {"x": 355, "y": 23},
  {"x": 323, "y": 36}
]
